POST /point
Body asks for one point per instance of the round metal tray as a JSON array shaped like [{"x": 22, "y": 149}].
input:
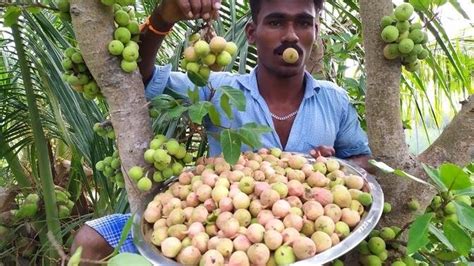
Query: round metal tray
[{"x": 141, "y": 231}]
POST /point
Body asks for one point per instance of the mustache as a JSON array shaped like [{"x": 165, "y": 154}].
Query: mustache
[{"x": 279, "y": 50}]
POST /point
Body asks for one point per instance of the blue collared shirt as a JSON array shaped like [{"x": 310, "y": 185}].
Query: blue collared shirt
[{"x": 325, "y": 116}]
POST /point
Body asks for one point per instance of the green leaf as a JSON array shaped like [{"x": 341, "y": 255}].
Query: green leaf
[
  {"x": 387, "y": 169},
  {"x": 164, "y": 102},
  {"x": 437, "y": 232},
  {"x": 382, "y": 166},
  {"x": 434, "y": 175},
  {"x": 465, "y": 214},
  {"x": 440, "y": 2},
  {"x": 353, "y": 42},
  {"x": 259, "y": 129},
  {"x": 250, "y": 134},
  {"x": 460, "y": 240},
  {"x": 420, "y": 5},
  {"x": 193, "y": 95},
  {"x": 447, "y": 256},
  {"x": 33, "y": 9},
  {"x": 459, "y": 8},
  {"x": 177, "y": 111},
  {"x": 198, "y": 110},
  {"x": 11, "y": 15},
  {"x": 197, "y": 79},
  {"x": 225, "y": 105},
  {"x": 126, "y": 259},
  {"x": 125, "y": 231},
  {"x": 230, "y": 143},
  {"x": 418, "y": 233},
  {"x": 467, "y": 191},
  {"x": 214, "y": 116},
  {"x": 236, "y": 97},
  {"x": 250, "y": 137},
  {"x": 470, "y": 168},
  {"x": 75, "y": 258},
  {"x": 454, "y": 177}
]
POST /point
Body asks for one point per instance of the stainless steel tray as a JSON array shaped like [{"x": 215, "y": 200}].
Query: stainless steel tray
[{"x": 141, "y": 231}]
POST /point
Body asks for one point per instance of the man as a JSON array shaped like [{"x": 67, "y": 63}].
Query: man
[{"x": 307, "y": 115}]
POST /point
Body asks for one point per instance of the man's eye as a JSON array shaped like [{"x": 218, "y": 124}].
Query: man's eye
[
  {"x": 306, "y": 23},
  {"x": 274, "y": 23}
]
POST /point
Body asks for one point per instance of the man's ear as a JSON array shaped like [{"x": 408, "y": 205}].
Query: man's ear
[{"x": 250, "y": 32}]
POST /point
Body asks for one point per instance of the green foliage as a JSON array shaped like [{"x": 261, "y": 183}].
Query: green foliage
[
  {"x": 11, "y": 15},
  {"x": 445, "y": 232},
  {"x": 418, "y": 233},
  {"x": 230, "y": 143},
  {"x": 465, "y": 214},
  {"x": 196, "y": 110},
  {"x": 123, "y": 236},
  {"x": 460, "y": 239}
]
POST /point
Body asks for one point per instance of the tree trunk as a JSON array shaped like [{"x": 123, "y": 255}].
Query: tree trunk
[
  {"x": 456, "y": 143},
  {"x": 93, "y": 25},
  {"x": 315, "y": 64},
  {"x": 384, "y": 123}
]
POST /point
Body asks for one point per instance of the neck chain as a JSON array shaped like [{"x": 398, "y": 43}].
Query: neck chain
[{"x": 283, "y": 118}]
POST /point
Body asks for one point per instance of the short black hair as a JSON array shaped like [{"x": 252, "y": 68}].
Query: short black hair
[{"x": 256, "y": 4}]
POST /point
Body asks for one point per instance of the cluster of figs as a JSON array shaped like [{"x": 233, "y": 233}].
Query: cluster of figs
[
  {"x": 270, "y": 208},
  {"x": 405, "y": 40}
]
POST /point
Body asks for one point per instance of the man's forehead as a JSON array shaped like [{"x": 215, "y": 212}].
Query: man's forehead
[
  {"x": 285, "y": 4},
  {"x": 283, "y": 15},
  {"x": 287, "y": 8}
]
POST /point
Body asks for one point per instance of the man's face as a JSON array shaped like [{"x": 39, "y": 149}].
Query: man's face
[{"x": 281, "y": 24}]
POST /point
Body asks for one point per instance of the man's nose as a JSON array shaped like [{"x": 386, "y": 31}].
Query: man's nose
[{"x": 290, "y": 34}]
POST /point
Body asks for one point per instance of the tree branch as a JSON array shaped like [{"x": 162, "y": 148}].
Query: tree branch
[
  {"x": 456, "y": 143},
  {"x": 315, "y": 63},
  {"x": 384, "y": 124},
  {"x": 125, "y": 93}
]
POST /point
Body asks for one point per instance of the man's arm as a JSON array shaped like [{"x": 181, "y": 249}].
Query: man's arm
[
  {"x": 162, "y": 19},
  {"x": 149, "y": 44}
]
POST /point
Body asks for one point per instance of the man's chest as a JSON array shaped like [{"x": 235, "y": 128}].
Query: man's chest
[
  {"x": 309, "y": 128},
  {"x": 283, "y": 129}
]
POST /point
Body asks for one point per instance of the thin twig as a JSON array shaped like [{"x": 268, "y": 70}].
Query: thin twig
[
  {"x": 402, "y": 230},
  {"x": 401, "y": 242},
  {"x": 427, "y": 257},
  {"x": 213, "y": 91},
  {"x": 56, "y": 246},
  {"x": 435, "y": 15}
]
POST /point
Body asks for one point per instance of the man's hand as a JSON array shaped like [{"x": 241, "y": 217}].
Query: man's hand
[
  {"x": 172, "y": 11},
  {"x": 325, "y": 151},
  {"x": 163, "y": 18}
]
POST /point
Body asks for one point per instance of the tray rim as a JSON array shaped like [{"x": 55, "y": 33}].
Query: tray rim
[{"x": 359, "y": 233}]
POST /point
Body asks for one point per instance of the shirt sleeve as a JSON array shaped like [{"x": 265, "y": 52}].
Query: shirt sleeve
[
  {"x": 351, "y": 140},
  {"x": 163, "y": 78}
]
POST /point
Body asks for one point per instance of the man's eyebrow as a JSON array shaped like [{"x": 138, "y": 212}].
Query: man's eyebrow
[{"x": 278, "y": 15}]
